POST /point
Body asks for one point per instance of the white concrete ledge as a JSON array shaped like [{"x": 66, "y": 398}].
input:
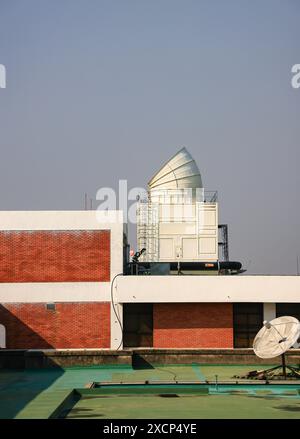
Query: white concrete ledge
[
  {"x": 34, "y": 292},
  {"x": 160, "y": 289},
  {"x": 60, "y": 220}
]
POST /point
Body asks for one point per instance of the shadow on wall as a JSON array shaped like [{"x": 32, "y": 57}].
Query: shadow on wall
[
  {"x": 56, "y": 325},
  {"x": 18, "y": 334},
  {"x": 21, "y": 375}
]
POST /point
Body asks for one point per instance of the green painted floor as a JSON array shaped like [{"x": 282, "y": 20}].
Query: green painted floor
[
  {"x": 36, "y": 394},
  {"x": 186, "y": 407}
]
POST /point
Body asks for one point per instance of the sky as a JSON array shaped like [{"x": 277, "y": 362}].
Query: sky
[{"x": 98, "y": 91}]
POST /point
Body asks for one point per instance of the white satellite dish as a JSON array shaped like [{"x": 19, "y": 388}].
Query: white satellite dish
[{"x": 275, "y": 338}]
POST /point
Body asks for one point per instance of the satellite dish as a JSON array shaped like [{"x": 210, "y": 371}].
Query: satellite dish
[
  {"x": 273, "y": 340},
  {"x": 276, "y": 337}
]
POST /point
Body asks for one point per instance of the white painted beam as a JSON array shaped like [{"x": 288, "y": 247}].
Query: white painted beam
[
  {"x": 162, "y": 289},
  {"x": 36, "y": 292}
]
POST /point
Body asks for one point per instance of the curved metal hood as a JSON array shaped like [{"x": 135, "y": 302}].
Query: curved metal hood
[{"x": 180, "y": 172}]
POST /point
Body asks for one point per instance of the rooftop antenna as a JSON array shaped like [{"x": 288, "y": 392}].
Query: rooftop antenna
[
  {"x": 85, "y": 201},
  {"x": 135, "y": 261},
  {"x": 91, "y": 203},
  {"x": 297, "y": 265},
  {"x": 273, "y": 340}
]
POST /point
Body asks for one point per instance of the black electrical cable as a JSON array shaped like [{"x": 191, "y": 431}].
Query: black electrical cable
[
  {"x": 121, "y": 326},
  {"x": 113, "y": 305}
]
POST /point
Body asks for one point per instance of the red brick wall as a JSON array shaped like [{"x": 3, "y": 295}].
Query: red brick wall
[
  {"x": 193, "y": 325},
  {"x": 71, "y": 325},
  {"x": 55, "y": 256}
]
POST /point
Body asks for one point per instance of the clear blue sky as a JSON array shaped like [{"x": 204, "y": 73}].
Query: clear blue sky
[{"x": 103, "y": 90}]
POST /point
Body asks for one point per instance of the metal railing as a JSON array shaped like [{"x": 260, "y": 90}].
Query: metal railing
[{"x": 180, "y": 196}]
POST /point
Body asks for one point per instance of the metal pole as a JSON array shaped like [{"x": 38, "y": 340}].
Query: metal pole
[{"x": 283, "y": 365}]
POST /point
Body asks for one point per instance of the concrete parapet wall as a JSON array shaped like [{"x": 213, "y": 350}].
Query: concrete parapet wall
[
  {"x": 36, "y": 359},
  {"x": 42, "y": 359},
  {"x": 210, "y": 356}
]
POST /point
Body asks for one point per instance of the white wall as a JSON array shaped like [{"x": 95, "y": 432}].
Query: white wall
[{"x": 158, "y": 289}]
